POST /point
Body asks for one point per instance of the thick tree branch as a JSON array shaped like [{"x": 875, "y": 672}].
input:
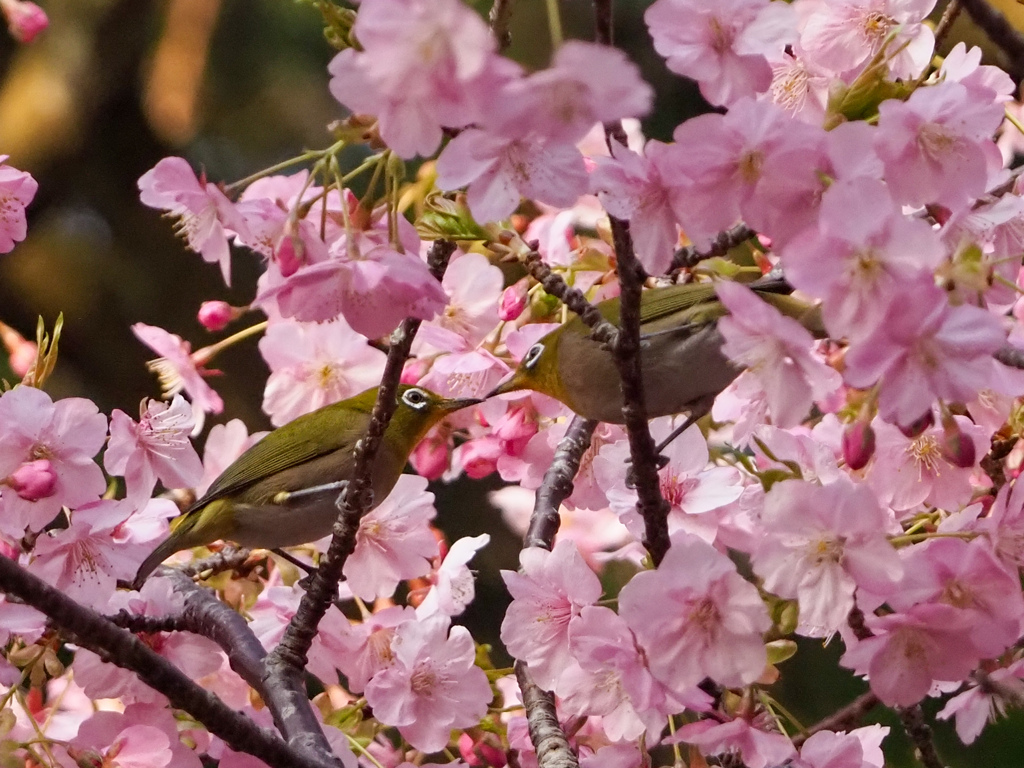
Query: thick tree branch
[
  {"x": 500, "y": 17},
  {"x": 1011, "y": 356},
  {"x": 285, "y": 664},
  {"x": 921, "y": 734},
  {"x": 1001, "y": 32},
  {"x": 89, "y": 630},
  {"x": 553, "y": 750},
  {"x": 844, "y": 719}
]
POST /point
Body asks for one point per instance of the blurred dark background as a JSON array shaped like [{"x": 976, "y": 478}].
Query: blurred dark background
[{"x": 113, "y": 86}]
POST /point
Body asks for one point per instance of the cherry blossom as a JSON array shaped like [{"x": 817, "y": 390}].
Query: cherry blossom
[
  {"x": 453, "y": 588},
  {"x": 17, "y": 188},
  {"x": 433, "y": 684}
]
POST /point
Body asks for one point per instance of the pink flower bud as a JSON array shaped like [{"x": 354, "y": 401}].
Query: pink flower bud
[
  {"x": 481, "y": 753},
  {"x": 858, "y": 444},
  {"x": 480, "y": 456},
  {"x": 414, "y": 370},
  {"x": 290, "y": 252},
  {"x": 957, "y": 447},
  {"x": 215, "y": 315},
  {"x": 430, "y": 458},
  {"x": 914, "y": 429},
  {"x": 33, "y": 480},
  {"x": 22, "y": 351},
  {"x": 514, "y": 300},
  {"x": 516, "y": 428},
  {"x": 25, "y": 20}
]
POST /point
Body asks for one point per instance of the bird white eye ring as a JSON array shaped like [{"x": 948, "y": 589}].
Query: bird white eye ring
[
  {"x": 415, "y": 398},
  {"x": 533, "y": 355}
]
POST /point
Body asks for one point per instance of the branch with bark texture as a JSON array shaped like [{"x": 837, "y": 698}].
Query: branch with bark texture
[
  {"x": 1001, "y": 32},
  {"x": 92, "y": 631},
  {"x": 921, "y": 734},
  {"x": 691, "y": 256},
  {"x": 550, "y": 741},
  {"x": 843, "y": 719},
  {"x": 285, "y": 664}
]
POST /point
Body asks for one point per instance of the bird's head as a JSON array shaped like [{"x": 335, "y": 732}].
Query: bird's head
[
  {"x": 537, "y": 371},
  {"x": 419, "y": 409}
]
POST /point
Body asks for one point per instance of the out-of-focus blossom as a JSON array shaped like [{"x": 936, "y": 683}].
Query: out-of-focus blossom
[
  {"x": 25, "y": 20},
  {"x": 17, "y": 188}
]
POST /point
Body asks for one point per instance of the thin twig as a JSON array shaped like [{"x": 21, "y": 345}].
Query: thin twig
[
  {"x": 500, "y": 18},
  {"x": 1011, "y": 356},
  {"x": 949, "y": 15},
  {"x": 90, "y": 630},
  {"x": 1001, "y": 32},
  {"x": 921, "y": 734},
  {"x": 601, "y": 330},
  {"x": 557, "y": 484},
  {"x": 844, "y": 719},
  {"x": 287, "y": 661},
  {"x": 691, "y": 256}
]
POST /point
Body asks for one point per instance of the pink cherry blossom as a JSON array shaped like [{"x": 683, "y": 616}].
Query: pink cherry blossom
[
  {"x": 692, "y": 488},
  {"x": 224, "y": 444},
  {"x": 586, "y": 84},
  {"x": 909, "y": 651},
  {"x": 68, "y": 434},
  {"x": 860, "y": 748},
  {"x": 206, "y": 218},
  {"x": 313, "y": 365},
  {"x": 986, "y": 82},
  {"x": 17, "y": 188},
  {"x": 180, "y": 370},
  {"x": 968, "y": 577},
  {"x": 453, "y": 588},
  {"x": 612, "y": 679},
  {"x": 936, "y": 144},
  {"x": 433, "y": 685},
  {"x": 716, "y": 45},
  {"x": 634, "y": 188},
  {"x": 843, "y": 34},
  {"x": 465, "y": 374},
  {"x": 907, "y": 472},
  {"x": 350, "y": 284},
  {"x": 821, "y": 542},
  {"x": 20, "y": 620},
  {"x": 923, "y": 349},
  {"x": 776, "y": 349},
  {"x": 423, "y": 65},
  {"x": 473, "y": 286},
  {"x": 757, "y": 748},
  {"x": 394, "y": 541},
  {"x": 861, "y": 257},
  {"x": 552, "y": 588},
  {"x": 696, "y": 617},
  {"x": 499, "y": 169},
  {"x": 981, "y": 704},
  {"x": 364, "y": 649},
  {"x": 156, "y": 447},
  {"x": 86, "y": 559},
  {"x": 104, "y": 729}
]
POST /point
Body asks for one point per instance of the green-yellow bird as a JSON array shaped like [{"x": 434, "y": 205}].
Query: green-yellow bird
[
  {"x": 282, "y": 491},
  {"x": 681, "y": 354}
]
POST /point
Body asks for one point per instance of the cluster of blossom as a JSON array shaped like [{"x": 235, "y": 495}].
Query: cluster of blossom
[{"x": 848, "y": 473}]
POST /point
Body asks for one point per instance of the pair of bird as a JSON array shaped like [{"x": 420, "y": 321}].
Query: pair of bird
[{"x": 282, "y": 491}]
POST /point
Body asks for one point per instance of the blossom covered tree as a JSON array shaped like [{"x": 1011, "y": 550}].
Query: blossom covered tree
[{"x": 857, "y": 484}]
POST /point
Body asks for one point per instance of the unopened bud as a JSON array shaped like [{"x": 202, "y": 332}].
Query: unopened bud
[
  {"x": 215, "y": 315},
  {"x": 25, "y": 20},
  {"x": 22, "y": 351},
  {"x": 480, "y": 457},
  {"x": 414, "y": 370},
  {"x": 514, "y": 300},
  {"x": 957, "y": 447},
  {"x": 430, "y": 458},
  {"x": 858, "y": 444},
  {"x": 290, "y": 251},
  {"x": 915, "y": 428},
  {"x": 33, "y": 480},
  {"x": 480, "y": 752}
]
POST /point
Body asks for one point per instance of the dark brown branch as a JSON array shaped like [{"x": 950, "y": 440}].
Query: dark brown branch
[
  {"x": 500, "y": 18},
  {"x": 557, "y": 484},
  {"x": 89, "y": 630},
  {"x": 137, "y": 623},
  {"x": 999, "y": 31},
  {"x": 1011, "y": 356},
  {"x": 601, "y": 329},
  {"x": 287, "y": 661},
  {"x": 845, "y": 719},
  {"x": 949, "y": 15},
  {"x": 553, "y": 750},
  {"x": 228, "y": 559},
  {"x": 921, "y": 734},
  {"x": 690, "y": 256}
]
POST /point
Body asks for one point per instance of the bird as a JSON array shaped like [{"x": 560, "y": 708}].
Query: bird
[
  {"x": 682, "y": 364},
  {"x": 281, "y": 492}
]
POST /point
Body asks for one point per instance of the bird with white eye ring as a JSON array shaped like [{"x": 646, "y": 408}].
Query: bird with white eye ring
[{"x": 282, "y": 491}]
